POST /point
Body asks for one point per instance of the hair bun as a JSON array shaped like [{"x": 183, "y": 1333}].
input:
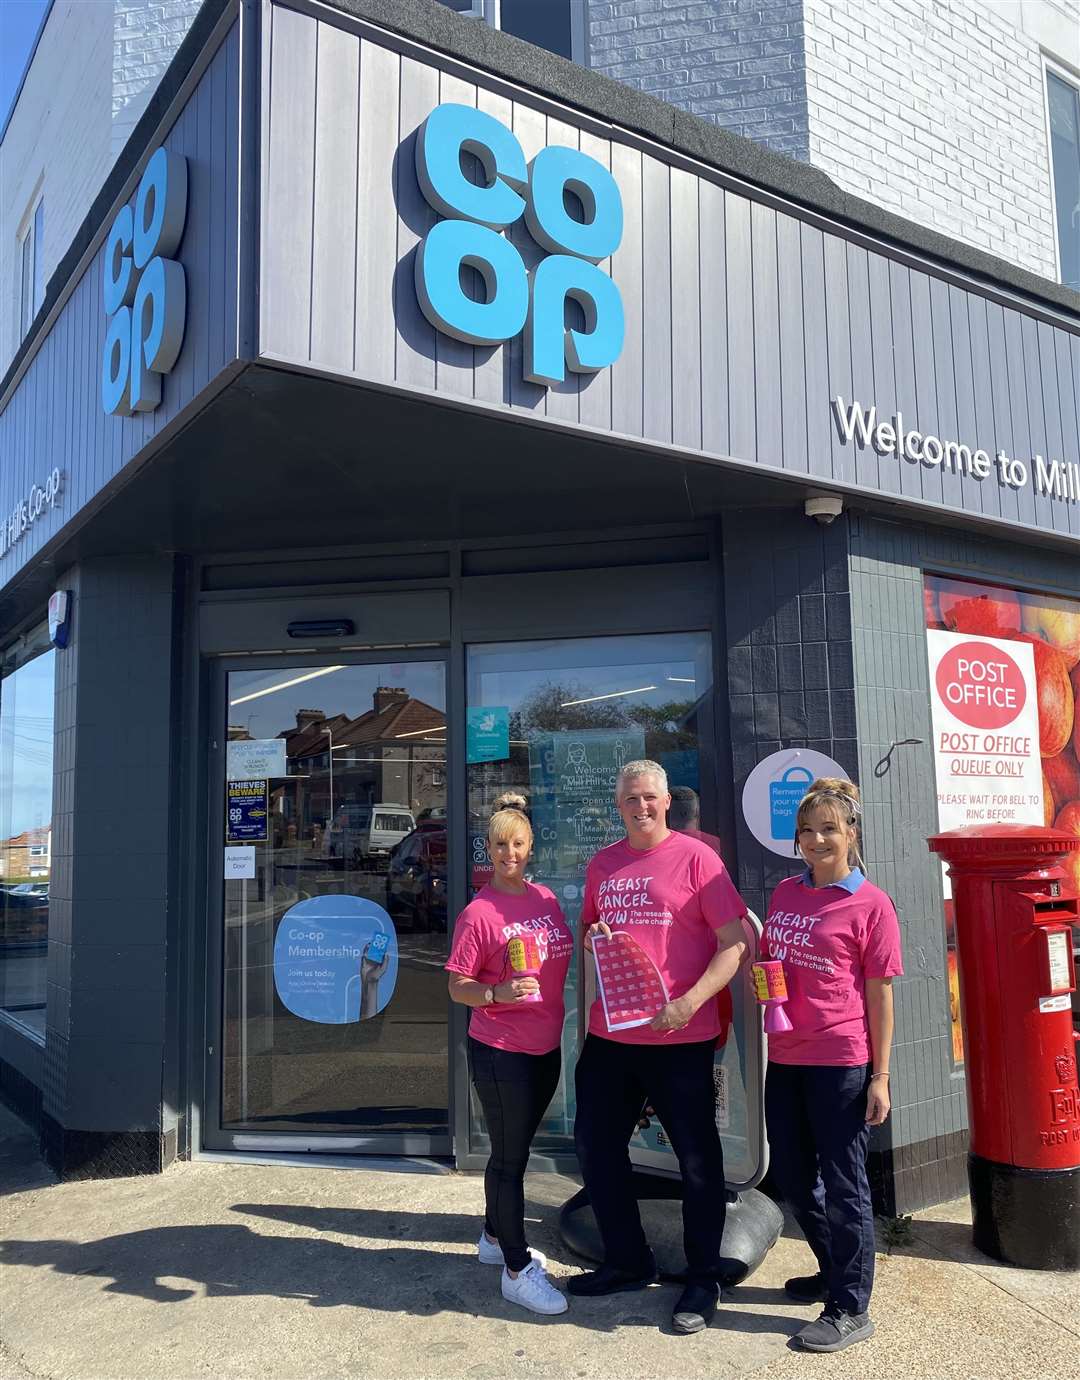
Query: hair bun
[
  {"x": 840, "y": 787},
  {"x": 510, "y": 800}
]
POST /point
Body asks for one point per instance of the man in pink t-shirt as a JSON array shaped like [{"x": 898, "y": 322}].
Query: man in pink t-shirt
[{"x": 671, "y": 896}]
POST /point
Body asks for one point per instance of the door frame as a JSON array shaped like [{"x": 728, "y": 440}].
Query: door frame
[{"x": 213, "y": 1136}]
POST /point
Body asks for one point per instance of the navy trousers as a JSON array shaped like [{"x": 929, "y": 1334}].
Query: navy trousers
[
  {"x": 612, "y": 1082},
  {"x": 818, "y": 1137}
]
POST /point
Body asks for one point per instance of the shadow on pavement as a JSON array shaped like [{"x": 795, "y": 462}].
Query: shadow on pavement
[
  {"x": 234, "y": 1261},
  {"x": 21, "y": 1167},
  {"x": 931, "y": 1240},
  {"x": 170, "y": 1265},
  {"x": 450, "y": 1228}
]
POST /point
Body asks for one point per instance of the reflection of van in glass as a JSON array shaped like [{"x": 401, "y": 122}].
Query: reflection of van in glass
[{"x": 367, "y": 831}]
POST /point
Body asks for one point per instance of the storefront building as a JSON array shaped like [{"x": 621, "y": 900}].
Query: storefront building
[{"x": 416, "y": 418}]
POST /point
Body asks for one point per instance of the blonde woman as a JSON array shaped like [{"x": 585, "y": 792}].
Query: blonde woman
[
  {"x": 514, "y": 1038},
  {"x": 828, "y": 1080}
]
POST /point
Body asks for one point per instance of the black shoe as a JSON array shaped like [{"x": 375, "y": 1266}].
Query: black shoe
[
  {"x": 835, "y": 1330},
  {"x": 807, "y": 1288},
  {"x": 695, "y": 1308},
  {"x": 607, "y": 1280}
]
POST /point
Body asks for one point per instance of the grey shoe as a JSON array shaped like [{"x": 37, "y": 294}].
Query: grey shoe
[{"x": 835, "y": 1330}]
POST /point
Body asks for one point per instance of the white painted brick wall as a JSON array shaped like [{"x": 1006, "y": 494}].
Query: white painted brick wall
[
  {"x": 146, "y": 33},
  {"x": 93, "y": 72},
  {"x": 935, "y": 109}
]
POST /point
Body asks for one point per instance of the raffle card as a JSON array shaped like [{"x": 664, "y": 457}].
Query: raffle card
[{"x": 630, "y": 984}]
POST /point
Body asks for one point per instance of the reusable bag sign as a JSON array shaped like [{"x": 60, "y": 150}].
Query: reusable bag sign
[
  {"x": 773, "y": 790},
  {"x": 784, "y": 798}
]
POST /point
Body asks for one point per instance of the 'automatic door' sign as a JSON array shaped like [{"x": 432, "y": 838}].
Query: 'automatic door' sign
[
  {"x": 543, "y": 191},
  {"x": 145, "y": 289}
]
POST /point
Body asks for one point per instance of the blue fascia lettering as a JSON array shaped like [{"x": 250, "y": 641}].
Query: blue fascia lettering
[
  {"x": 470, "y": 237},
  {"x": 145, "y": 289}
]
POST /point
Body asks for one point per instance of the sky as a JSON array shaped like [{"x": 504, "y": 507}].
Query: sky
[{"x": 19, "y": 20}]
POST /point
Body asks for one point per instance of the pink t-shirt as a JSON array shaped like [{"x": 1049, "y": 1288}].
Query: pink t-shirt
[
  {"x": 483, "y": 931},
  {"x": 830, "y": 939},
  {"x": 671, "y": 899}
]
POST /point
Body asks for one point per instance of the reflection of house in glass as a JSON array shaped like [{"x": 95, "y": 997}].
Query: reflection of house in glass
[
  {"x": 27, "y": 854},
  {"x": 393, "y": 754}
]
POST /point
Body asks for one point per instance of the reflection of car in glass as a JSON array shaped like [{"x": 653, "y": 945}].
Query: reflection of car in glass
[
  {"x": 24, "y": 909},
  {"x": 416, "y": 880},
  {"x": 361, "y": 832}
]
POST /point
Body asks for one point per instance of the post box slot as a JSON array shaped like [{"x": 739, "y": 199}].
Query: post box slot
[{"x": 1066, "y": 909}]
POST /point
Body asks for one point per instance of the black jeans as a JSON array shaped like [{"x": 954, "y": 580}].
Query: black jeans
[
  {"x": 818, "y": 1137},
  {"x": 514, "y": 1091},
  {"x": 613, "y": 1081}
]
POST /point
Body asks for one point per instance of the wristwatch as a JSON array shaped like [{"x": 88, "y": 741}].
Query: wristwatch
[{"x": 489, "y": 996}]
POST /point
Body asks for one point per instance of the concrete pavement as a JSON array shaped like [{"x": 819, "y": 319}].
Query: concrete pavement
[{"x": 234, "y": 1270}]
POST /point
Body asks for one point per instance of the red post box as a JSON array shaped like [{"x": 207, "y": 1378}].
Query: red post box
[{"x": 1014, "y": 917}]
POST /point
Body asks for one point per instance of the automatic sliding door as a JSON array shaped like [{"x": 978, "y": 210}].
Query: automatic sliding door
[{"x": 335, "y": 913}]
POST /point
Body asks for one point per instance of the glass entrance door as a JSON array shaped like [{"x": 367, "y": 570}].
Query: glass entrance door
[
  {"x": 334, "y": 1010},
  {"x": 554, "y": 721}
]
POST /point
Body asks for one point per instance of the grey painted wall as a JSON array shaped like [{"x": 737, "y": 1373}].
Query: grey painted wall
[
  {"x": 742, "y": 322},
  {"x": 106, "y": 1029},
  {"x": 53, "y": 416},
  {"x": 744, "y": 68}
]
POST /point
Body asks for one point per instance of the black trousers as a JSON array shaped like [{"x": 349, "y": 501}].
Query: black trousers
[
  {"x": 818, "y": 1138},
  {"x": 613, "y": 1081},
  {"x": 514, "y": 1091}
]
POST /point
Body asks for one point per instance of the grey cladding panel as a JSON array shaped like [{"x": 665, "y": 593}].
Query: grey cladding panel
[
  {"x": 767, "y": 390},
  {"x": 53, "y": 416},
  {"x": 713, "y": 318},
  {"x": 380, "y": 620},
  {"x": 337, "y": 96},
  {"x": 626, "y": 270},
  {"x": 656, "y": 247},
  {"x": 286, "y": 241},
  {"x": 742, "y": 323}
]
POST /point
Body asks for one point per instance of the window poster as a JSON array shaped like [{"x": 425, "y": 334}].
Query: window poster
[
  {"x": 247, "y": 812},
  {"x": 572, "y": 783},
  {"x": 1004, "y": 688}
]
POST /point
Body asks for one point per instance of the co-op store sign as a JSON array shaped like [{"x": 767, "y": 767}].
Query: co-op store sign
[
  {"x": 864, "y": 426},
  {"x": 145, "y": 289},
  {"x": 471, "y": 236},
  {"x": 40, "y": 498}
]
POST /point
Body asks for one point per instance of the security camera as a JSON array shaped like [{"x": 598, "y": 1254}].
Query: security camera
[{"x": 824, "y": 507}]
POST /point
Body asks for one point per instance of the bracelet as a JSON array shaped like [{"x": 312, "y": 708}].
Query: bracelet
[{"x": 879, "y": 1075}]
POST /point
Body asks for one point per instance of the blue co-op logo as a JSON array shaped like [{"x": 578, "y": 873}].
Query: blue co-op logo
[
  {"x": 470, "y": 237},
  {"x": 145, "y": 289}
]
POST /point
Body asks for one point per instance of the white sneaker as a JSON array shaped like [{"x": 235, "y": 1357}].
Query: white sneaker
[
  {"x": 490, "y": 1252},
  {"x": 533, "y": 1290}
]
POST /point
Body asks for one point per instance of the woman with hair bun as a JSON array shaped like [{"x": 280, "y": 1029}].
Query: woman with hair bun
[
  {"x": 838, "y": 938},
  {"x": 509, "y": 961}
]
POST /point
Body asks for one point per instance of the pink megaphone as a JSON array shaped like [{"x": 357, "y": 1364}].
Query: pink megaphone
[{"x": 770, "y": 988}]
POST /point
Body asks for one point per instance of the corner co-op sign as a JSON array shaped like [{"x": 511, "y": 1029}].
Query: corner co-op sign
[
  {"x": 145, "y": 289},
  {"x": 470, "y": 237}
]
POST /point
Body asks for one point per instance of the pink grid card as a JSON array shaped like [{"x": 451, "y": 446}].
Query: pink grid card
[{"x": 630, "y": 984}]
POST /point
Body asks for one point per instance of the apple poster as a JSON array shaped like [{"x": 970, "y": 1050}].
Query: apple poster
[{"x": 1005, "y": 697}]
